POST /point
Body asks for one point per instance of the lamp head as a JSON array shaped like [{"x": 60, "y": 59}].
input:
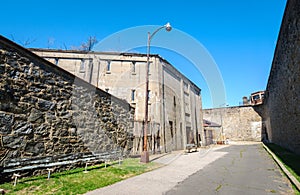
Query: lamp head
[{"x": 168, "y": 27}]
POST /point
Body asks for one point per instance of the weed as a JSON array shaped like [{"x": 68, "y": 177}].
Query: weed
[{"x": 219, "y": 187}]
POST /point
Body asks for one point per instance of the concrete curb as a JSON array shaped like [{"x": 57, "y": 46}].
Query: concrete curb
[
  {"x": 283, "y": 168},
  {"x": 157, "y": 157},
  {"x": 177, "y": 154}
]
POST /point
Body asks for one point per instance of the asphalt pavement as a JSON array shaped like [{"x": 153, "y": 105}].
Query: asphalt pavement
[
  {"x": 240, "y": 168},
  {"x": 244, "y": 169}
]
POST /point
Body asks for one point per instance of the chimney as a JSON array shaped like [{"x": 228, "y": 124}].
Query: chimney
[{"x": 245, "y": 101}]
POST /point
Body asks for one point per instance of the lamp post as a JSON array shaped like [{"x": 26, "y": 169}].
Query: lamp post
[{"x": 145, "y": 153}]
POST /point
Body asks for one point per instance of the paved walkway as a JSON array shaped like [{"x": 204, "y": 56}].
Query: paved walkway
[{"x": 233, "y": 169}]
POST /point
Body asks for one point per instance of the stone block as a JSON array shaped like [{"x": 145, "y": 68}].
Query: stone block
[
  {"x": 50, "y": 117},
  {"x": 45, "y": 105},
  {"x": 6, "y": 122},
  {"x": 23, "y": 128},
  {"x": 35, "y": 115},
  {"x": 13, "y": 141},
  {"x": 2, "y": 69},
  {"x": 36, "y": 148},
  {"x": 43, "y": 129}
]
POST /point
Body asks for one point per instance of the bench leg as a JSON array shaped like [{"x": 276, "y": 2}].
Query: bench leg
[
  {"x": 85, "y": 168},
  {"x": 16, "y": 180}
]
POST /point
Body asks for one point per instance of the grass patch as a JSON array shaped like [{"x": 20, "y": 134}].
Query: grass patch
[
  {"x": 289, "y": 159},
  {"x": 297, "y": 192},
  {"x": 76, "y": 181}
]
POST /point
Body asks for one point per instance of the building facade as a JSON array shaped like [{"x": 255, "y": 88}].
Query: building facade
[{"x": 175, "y": 107}]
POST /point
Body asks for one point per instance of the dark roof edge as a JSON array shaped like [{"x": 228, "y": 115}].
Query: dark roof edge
[
  {"x": 229, "y": 107},
  {"x": 207, "y": 123}
]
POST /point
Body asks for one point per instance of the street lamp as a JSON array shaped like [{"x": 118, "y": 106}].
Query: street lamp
[{"x": 145, "y": 153}]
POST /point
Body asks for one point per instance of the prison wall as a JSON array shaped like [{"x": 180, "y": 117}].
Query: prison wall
[
  {"x": 282, "y": 110},
  {"x": 239, "y": 123},
  {"x": 51, "y": 119}
]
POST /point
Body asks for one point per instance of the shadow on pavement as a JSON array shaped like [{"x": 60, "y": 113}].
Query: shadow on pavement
[{"x": 288, "y": 158}]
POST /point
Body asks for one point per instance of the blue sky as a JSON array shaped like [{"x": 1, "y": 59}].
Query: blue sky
[{"x": 240, "y": 35}]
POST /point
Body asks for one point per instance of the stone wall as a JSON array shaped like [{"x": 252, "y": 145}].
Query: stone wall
[
  {"x": 237, "y": 123},
  {"x": 50, "y": 118},
  {"x": 282, "y": 110}
]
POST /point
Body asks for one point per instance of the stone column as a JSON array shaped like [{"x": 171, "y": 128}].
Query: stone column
[
  {"x": 192, "y": 114},
  {"x": 184, "y": 136}
]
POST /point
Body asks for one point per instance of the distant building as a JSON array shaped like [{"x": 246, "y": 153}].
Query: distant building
[
  {"x": 245, "y": 101},
  {"x": 257, "y": 98},
  {"x": 175, "y": 107},
  {"x": 212, "y": 132}
]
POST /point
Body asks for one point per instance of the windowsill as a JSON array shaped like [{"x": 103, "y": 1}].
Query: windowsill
[
  {"x": 133, "y": 73},
  {"x": 108, "y": 72},
  {"x": 81, "y": 71}
]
